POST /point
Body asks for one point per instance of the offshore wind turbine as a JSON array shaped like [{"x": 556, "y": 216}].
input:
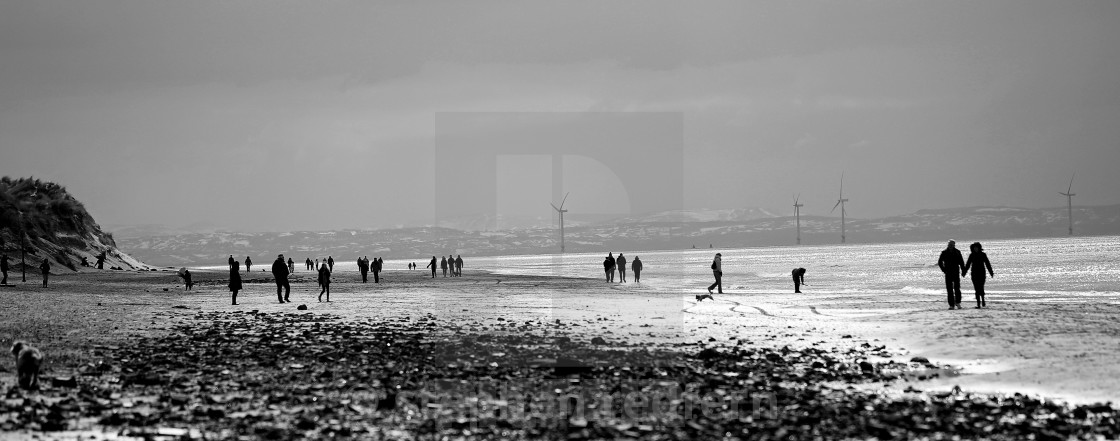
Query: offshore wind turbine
[
  {"x": 1069, "y": 202},
  {"x": 797, "y": 214},
  {"x": 561, "y": 211},
  {"x": 840, "y": 203}
]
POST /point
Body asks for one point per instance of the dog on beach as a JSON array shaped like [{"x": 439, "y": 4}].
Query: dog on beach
[{"x": 28, "y": 360}]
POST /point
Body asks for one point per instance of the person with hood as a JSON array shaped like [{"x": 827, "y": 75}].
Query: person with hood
[
  {"x": 443, "y": 265},
  {"x": 248, "y": 264},
  {"x": 45, "y": 267},
  {"x": 280, "y": 272},
  {"x": 458, "y": 265},
  {"x": 4, "y": 268},
  {"x": 325, "y": 282},
  {"x": 363, "y": 267},
  {"x": 952, "y": 264},
  {"x": 637, "y": 268},
  {"x": 432, "y": 265},
  {"x": 235, "y": 280},
  {"x": 717, "y": 271},
  {"x": 620, "y": 262},
  {"x": 977, "y": 261},
  {"x": 798, "y": 279},
  {"x": 330, "y": 263}
]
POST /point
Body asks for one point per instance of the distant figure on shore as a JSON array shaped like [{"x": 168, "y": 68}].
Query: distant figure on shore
[
  {"x": 330, "y": 263},
  {"x": 717, "y": 271},
  {"x": 291, "y": 266},
  {"x": 280, "y": 272},
  {"x": 458, "y": 265},
  {"x": 316, "y": 264},
  {"x": 235, "y": 281},
  {"x": 248, "y": 264},
  {"x": 363, "y": 267},
  {"x": 608, "y": 263},
  {"x": 952, "y": 264},
  {"x": 45, "y": 267},
  {"x": 4, "y": 268},
  {"x": 798, "y": 279},
  {"x": 977, "y": 261},
  {"x": 231, "y": 261},
  {"x": 307, "y": 263},
  {"x": 188, "y": 279},
  {"x": 433, "y": 265},
  {"x": 637, "y": 268},
  {"x": 443, "y": 265},
  {"x": 377, "y": 262},
  {"x": 325, "y": 282},
  {"x": 101, "y": 261},
  {"x": 620, "y": 262}
]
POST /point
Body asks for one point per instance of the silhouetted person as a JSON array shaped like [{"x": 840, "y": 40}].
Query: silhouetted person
[
  {"x": 307, "y": 263},
  {"x": 45, "y": 267},
  {"x": 248, "y": 264},
  {"x": 978, "y": 258},
  {"x": 316, "y": 264},
  {"x": 433, "y": 265},
  {"x": 291, "y": 266},
  {"x": 231, "y": 261},
  {"x": 952, "y": 264},
  {"x": 363, "y": 268},
  {"x": 607, "y": 262},
  {"x": 443, "y": 265},
  {"x": 717, "y": 271},
  {"x": 4, "y": 268},
  {"x": 235, "y": 280},
  {"x": 325, "y": 282},
  {"x": 280, "y": 272},
  {"x": 458, "y": 265},
  {"x": 377, "y": 267},
  {"x": 620, "y": 263},
  {"x": 798, "y": 279},
  {"x": 188, "y": 281},
  {"x": 330, "y": 263},
  {"x": 85, "y": 261},
  {"x": 637, "y": 268},
  {"x": 101, "y": 261}
]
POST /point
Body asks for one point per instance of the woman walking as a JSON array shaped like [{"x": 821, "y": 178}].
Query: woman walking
[
  {"x": 978, "y": 258},
  {"x": 717, "y": 271},
  {"x": 325, "y": 282},
  {"x": 235, "y": 280}
]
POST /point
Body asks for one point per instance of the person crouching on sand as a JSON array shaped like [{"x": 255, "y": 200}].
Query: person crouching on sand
[
  {"x": 717, "y": 271},
  {"x": 325, "y": 282},
  {"x": 978, "y": 258},
  {"x": 235, "y": 280}
]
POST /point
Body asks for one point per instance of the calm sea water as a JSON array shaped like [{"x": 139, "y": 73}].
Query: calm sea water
[{"x": 1052, "y": 269}]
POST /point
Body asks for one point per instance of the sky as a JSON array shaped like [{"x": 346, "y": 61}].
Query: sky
[{"x": 282, "y": 115}]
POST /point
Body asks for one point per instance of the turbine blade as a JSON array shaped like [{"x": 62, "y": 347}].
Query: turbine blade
[
  {"x": 553, "y": 206},
  {"x": 564, "y": 200},
  {"x": 1071, "y": 182},
  {"x": 796, "y": 198},
  {"x": 834, "y": 207},
  {"x": 841, "y": 185}
]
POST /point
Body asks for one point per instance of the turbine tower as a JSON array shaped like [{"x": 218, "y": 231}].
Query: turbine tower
[
  {"x": 840, "y": 203},
  {"x": 1069, "y": 202},
  {"x": 797, "y": 214},
  {"x": 561, "y": 211}
]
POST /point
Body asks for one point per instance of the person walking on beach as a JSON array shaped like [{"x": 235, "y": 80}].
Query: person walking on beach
[
  {"x": 280, "y": 272},
  {"x": 432, "y": 265},
  {"x": 443, "y": 265},
  {"x": 377, "y": 262},
  {"x": 316, "y": 264},
  {"x": 330, "y": 263},
  {"x": 717, "y": 271},
  {"x": 248, "y": 264},
  {"x": 325, "y": 282},
  {"x": 637, "y": 268},
  {"x": 952, "y": 264},
  {"x": 363, "y": 268},
  {"x": 307, "y": 264},
  {"x": 101, "y": 261},
  {"x": 235, "y": 280},
  {"x": 620, "y": 262},
  {"x": 458, "y": 265},
  {"x": 291, "y": 266},
  {"x": 188, "y": 282},
  {"x": 4, "y": 268},
  {"x": 798, "y": 279},
  {"x": 608, "y": 263},
  {"x": 45, "y": 267},
  {"x": 231, "y": 261},
  {"x": 977, "y": 261}
]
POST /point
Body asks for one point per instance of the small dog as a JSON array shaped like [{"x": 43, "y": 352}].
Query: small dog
[{"x": 28, "y": 360}]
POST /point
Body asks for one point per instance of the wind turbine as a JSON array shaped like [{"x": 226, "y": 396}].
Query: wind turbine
[
  {"x": 840, "y": 203},
  {"x": 1069, "y": 202},
  {"x": 561, "y": 210},
  {"x": 797, "y": 213}
]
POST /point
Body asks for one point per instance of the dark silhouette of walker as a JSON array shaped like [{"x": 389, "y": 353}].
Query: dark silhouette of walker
[{"x": 978, "y": 261}]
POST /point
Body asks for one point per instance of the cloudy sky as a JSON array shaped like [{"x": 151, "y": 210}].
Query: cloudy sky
[{"x": 274, "y": 115}]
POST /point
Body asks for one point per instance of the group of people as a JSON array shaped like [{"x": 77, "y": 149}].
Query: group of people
[
  {"x": 954, "y": 266},
  {"x": 44, "y": 268},
  {"x": 365, "y": 266},
  {"x": 455, "y": 264},
  {"x": 612, "y": 264}
]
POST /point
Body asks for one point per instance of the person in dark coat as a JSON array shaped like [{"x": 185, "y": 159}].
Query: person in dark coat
[
  {"x": 363, "y": 267},
  {"x": 101, "y": 261},
  {"x": 307, "y": 263},
  {"x": 377, "y": 267},
  {"x": 291, "y": 266},
  {"x": 443, "y": 265},
  {"x": 459, "y": 265},
  {"x": 330, "y": 263},
  {"x": 620, "y": 263},
  {"x": 798, "y": 279},
  {"x": 977, "y": 261},
  {"x": 45, "y": 267},
  {"x": 231, "y": 261},
  {"x": 280, "y": 272},
  {"x": 637, "y": 268},
  {"x": 4, "y": 268},
  {"x": 248, "y": 264},
  {"x": 608, "y": 266},
  {"x": 433, "y": 265},
  {"x": 325, "y": 282},
  {"x": 235, "y": 280},
  {"x": 952, "y": 264},
  {"x": 717, "y": 271}
]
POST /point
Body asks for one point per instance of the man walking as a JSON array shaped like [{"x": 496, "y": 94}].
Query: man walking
[
  {"x": 291, "y": 266},
  {"x": 307, "y": 264},
  {"x": 432, "y": 265},
  {"x": 231, "y": 261},
  {"x": 45, "y": 267},
  {"x": 637, "y": 267},
  {"x": 280, "y": 272},
  {"x": 952, "y": 264},
  {"x": 798, "y": 279},
  {"x": 363, "y": 267},
  {"x": 330, "y": 264},
  {"x": 248, "y": 264},
  {"x": 377, "y": 261},
  {"x": 101, "y": 261},
  {"x": 717, "y": 271},
  {"x": 620, "y": 262},
  {"x": 458, "y": 265}
]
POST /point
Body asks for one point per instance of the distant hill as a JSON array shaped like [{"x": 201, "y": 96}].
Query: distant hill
[
  {"x": 55, "y": 226},
  {"x": 659, "y": 231}
]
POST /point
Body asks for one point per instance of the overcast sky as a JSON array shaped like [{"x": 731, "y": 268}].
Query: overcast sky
[{"x": 278, "y": 115}]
